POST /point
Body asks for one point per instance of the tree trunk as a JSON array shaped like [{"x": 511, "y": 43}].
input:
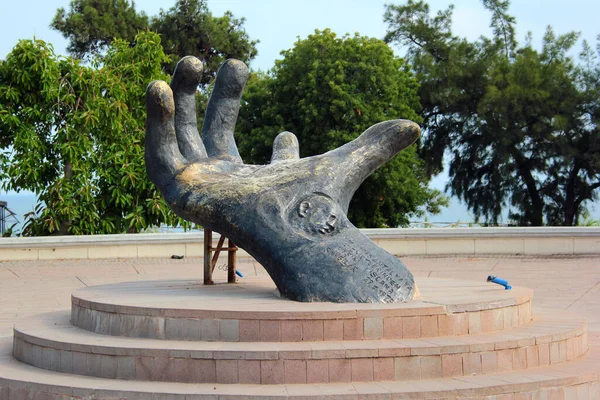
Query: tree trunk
[
  {"x": 570, "y": 203},
  {"x": 536, "y": 216},
  {"x": 64, "y": 224}
]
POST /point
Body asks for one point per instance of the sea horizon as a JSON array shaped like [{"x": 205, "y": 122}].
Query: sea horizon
[{"x": 456, "y": 214}]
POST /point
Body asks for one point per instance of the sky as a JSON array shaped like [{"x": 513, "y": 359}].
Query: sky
[{"x": 278, "y": 24}]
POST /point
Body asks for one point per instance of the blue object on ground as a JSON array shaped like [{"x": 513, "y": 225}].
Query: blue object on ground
[
  {"x": 238, "y": 273},
  {"x": 499, "y": 281}
]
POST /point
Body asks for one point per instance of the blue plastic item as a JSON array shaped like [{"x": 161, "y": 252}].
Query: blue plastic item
[
  {"x": 502, "y": 282},
  {"x": 238, "y": 273}
]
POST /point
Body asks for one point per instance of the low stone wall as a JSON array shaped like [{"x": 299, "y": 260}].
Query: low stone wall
[
  {"x": 465, "y": 241},
  {"x": 409, "y": 241}
]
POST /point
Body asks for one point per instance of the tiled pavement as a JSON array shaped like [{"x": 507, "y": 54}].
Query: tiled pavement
[{"x": 560, "y": 283}]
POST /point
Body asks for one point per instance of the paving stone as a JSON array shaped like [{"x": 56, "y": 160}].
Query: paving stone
[
  {"x": 452, "y": 365},
  {"x": 431, "y": 367},
  {"x": 353, "y": 329},
  {"x": 126, "y": 368},
  {"x": 271, "y": 372},
  {"x": 269, "y": 331},
  {"x": 362, "y": 370},
  {"x": 227, "y": 371},
  {"x": 291, "y": 331},
  {"x": 392, "y": 327},
  {"x": 317, "y": 371},
  {"x": 429, "y": 325},
  {"x": 249, "y": 330},
  {"x": 229, "y": 330},
  {"x": 109, "y": 367},
  {"x": 191, "y": 329},
  {"x": 406, "y": 368},
  {"x": 294, "y": 371},
  {"x": 340, "y": 370},
  {"x": 312, "y": 330},
  {"x": 66, "y": 361},
  {"x": 373, "y": 328},
  {"x": 472, "y": 363},
  {"x": 411, "y": 327},
  {"x": 249, "y": 371}
]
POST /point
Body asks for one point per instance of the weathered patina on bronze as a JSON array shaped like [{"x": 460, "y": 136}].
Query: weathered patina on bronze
[{"x": 290, "y": 215}]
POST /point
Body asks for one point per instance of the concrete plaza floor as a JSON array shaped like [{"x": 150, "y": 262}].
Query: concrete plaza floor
[{"x": 569, "y": 284}]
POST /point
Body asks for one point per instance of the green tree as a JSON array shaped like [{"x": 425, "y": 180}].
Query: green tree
[
  {"x": 92, "y": 25},
  {"x": 187, "y": 28},
  {"x": 74, "y": 135},
  {"x": 327, "y": 90},
  {"x": 520, "y": 125}
]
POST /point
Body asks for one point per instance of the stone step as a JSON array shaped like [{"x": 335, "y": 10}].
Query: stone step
[
  {"x": 50, "y": 342},
  {"x": 250, "y": 312},
  {"x": 575, "y": 380}
]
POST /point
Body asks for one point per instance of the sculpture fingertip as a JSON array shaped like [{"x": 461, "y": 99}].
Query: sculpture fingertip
[
  {"x": 285, "y": 147},
  {"x": 286, "y": 139},
  {"x": 159, "y": 100},
  {"x": 409, "y": 130},
  {"x": 231, "y": 78},
  {"x": 191, "y": 62},
  {"x": 188, "y": 74},
  {"x": 234, "y": 63}
]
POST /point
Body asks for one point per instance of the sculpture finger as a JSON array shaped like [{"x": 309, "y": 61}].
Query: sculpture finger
[
  {"x": 222, "y": 111},
  {"x": 184, "y": 84},
  {"x": 162, "y": 155},
  {"x": 285, "y": 147},
  {"x": 377, "y": 145}
]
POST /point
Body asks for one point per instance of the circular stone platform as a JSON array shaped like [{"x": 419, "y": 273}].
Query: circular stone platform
[
  {"x": 251, "y": 311},
  {"x": 241, "y": 341}
]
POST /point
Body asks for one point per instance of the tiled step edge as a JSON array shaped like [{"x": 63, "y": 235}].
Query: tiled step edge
[
  {"x": 428, "y": 320},
  {"x": 577, "y": 380},
  {"x": 49, "y": 342}
]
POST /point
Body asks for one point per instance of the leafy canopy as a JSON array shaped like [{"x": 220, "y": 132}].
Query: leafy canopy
[
  {"x": 92, "y": 25},
  {"x": 328, "y": 90},
  {"x": 187, "y": 28},
  {"x": 74, "y": 135},
  {"x": 520, "y": 125}
]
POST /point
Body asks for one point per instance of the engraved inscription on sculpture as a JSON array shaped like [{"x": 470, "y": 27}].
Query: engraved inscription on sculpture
[
  {"x": 380, "y": 277},
  {"x": 290, "y": 215},
  {"x": 383, "y": 280}
]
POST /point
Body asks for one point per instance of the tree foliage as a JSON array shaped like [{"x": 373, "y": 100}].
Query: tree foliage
[
  {"x": 187, "y": 28},
  {"x": 74, "y": 135},
  {"x": 520, "y": 124},
  {"x": 328, "y": 90},
  {"x": 92, "y": 25}
]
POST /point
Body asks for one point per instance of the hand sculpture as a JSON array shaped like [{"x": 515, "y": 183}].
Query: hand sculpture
[{"x": 290, "y": 215}]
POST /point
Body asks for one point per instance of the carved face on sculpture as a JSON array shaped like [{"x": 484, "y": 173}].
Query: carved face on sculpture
[{"x": 318, "y": 215}]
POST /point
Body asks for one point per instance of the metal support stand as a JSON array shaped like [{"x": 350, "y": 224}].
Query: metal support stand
[
  {"x": 4, "y": 217},
  {"x": 210, "y": 259}
]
